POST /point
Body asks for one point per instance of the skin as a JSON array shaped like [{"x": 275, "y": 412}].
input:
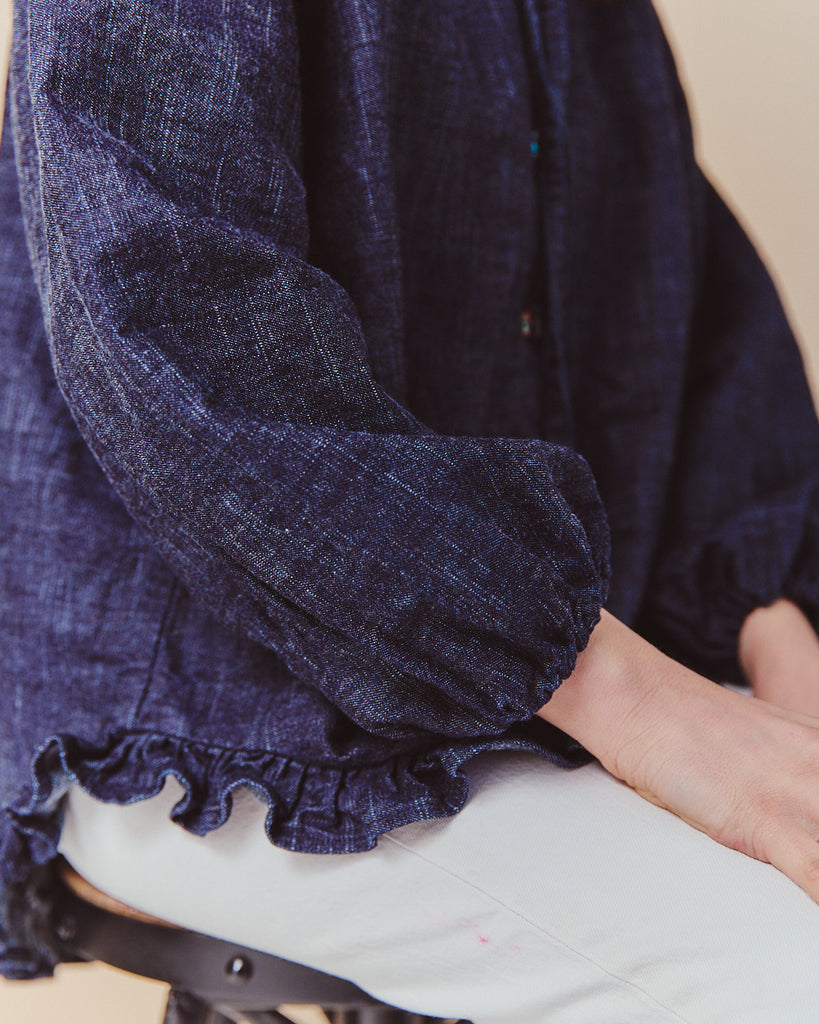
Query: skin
[
  {"x": 779, "y": 654},
  {"x": 744, "y": 769}
]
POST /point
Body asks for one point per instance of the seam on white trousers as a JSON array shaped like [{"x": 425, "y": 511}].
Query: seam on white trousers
[{"x": 640, "y": 993}]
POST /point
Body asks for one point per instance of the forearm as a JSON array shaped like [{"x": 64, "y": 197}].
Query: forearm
[{"x": 618, "y": 691}]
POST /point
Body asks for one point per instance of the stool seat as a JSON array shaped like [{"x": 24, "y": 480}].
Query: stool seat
[
  {"x": 212, "y": 981},
  {"x": 81, "y": 887}
]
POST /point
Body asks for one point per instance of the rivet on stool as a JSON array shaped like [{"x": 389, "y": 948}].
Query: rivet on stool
[{"x": 239, "y": 968}]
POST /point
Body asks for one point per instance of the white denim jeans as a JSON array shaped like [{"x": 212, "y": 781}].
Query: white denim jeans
[{"x": 553, "y": 897}]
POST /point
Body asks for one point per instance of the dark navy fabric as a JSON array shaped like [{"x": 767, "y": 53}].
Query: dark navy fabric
[{"x": 355, "y": 353}]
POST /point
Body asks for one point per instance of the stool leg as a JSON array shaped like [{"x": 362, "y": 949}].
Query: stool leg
[
  {"x": 185, "y": 1008},
  {"x": 265, "y": 1017},
  {"x": 377, "y": 1015}
]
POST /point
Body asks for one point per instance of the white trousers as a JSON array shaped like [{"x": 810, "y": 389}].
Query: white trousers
[{"x": 553, "y": 897}]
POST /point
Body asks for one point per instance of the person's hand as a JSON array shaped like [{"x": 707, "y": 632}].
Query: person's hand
[
  {"x": 779, "y": 654},
  {"x": 733, "y": 766}
]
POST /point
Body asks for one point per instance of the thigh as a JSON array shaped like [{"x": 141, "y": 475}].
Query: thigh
[{"x": 553, "y": 896}]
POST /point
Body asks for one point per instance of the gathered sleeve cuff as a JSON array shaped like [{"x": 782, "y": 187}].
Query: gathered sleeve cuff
[
  {"x": 702, "y": 597},
  {"x": 742, "y": 522}
]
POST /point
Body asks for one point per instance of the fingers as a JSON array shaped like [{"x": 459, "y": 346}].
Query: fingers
[
  {"x": 779, "y": 827},
  {"x": 653, "y": 799},
  {"x": 781, "y": 710},
  {"x": 796, "y": 854}
]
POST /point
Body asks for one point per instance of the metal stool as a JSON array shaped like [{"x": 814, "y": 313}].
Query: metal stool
[{"x": 212, "y": 981}]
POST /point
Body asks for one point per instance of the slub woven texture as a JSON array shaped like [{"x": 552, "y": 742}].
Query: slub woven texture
[{"x": 290, "y": 498}]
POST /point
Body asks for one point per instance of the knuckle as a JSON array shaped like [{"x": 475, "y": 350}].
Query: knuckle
[
  {"x": 757, "y": 825},
  {"x": 810, "y": 869}
]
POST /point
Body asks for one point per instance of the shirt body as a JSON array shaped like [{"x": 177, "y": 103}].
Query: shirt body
[{"x": 354, "y": 355}]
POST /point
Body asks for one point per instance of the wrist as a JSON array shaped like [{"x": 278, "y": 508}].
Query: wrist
[
  {"x": 614, "y": 693},
  {"x": 778, "y": 651},
  {"x": 635, "y": 709},
  {"x": 760, "y": 633}
]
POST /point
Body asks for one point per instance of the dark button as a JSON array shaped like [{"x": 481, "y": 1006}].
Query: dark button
[
  {"x": 534, "y": 142},
  {"x": 530, "y": 323}
]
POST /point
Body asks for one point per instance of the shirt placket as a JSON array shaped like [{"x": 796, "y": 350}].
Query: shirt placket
[{"x": 543, "y": 320}]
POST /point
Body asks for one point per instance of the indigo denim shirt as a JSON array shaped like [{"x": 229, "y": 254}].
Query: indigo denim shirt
[{"x": 354, "y": 354}]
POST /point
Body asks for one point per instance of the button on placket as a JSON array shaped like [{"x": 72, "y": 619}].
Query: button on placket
[
  {"x": 546, "y": 24},
  {"x": 530, "y": 323},
  {"x": 530, "y": 317}
]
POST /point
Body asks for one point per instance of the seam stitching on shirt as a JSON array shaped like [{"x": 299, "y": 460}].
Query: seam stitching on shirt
[{"x": 134, "y": 716}]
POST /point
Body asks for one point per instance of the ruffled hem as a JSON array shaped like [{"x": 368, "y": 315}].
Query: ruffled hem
[{"x": 366, "y": 802}]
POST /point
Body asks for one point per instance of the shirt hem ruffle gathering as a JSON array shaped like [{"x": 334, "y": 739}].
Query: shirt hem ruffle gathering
[{"x": 368, "y": 801}]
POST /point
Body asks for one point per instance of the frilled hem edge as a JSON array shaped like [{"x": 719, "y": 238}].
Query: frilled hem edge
[{"x": 367, "y": 801}]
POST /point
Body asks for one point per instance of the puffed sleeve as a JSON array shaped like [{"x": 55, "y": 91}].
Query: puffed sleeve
[
  {"x": 742, "y": 521},
  {"x": 424, "y": 583}
]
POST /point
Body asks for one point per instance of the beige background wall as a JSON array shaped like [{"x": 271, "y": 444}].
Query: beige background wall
[
  {"x": 751, "y": 72},
  {"x": 752, "y": 76}
]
